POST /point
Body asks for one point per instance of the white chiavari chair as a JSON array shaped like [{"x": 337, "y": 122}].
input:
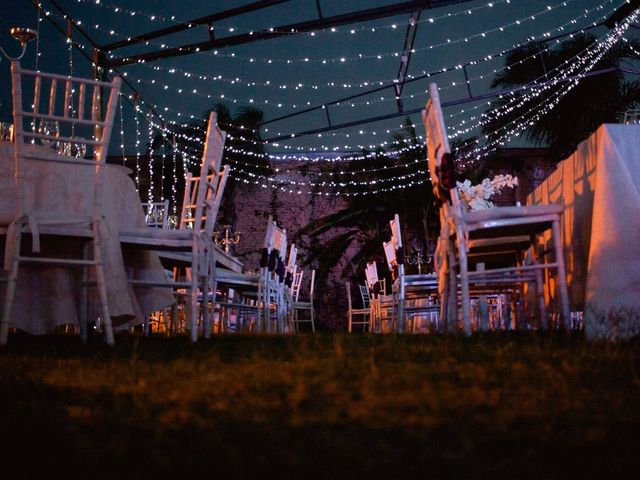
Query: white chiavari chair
[
  {"x": 191, "y": 246},
  {"x": 78, "y": 130},
  {"x": 305, "y": 307},
  {"x": 358, "y": 316},
  {"x": 484, "y": 250}
]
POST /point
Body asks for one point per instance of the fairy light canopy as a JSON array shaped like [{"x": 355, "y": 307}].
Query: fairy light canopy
[{"x": 462, "y": 42}]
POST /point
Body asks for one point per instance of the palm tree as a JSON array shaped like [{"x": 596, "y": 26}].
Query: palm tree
[
  {"x": 364, "y": 222},
  {"x": 594, "y": 100}
]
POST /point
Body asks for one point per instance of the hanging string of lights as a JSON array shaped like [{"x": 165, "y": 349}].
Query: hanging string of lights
[
  {"x": 347, "y": 135},
  {"x": 542, "y": 111},
  {"x": 590, "y": 57},
  {"x": 370, "y": 83},
  {"x": 548, "y": 103},
  {"x": 124, "y": 156},
  {"x": 154, "y": 17},
  {"x": 150, "y": 192},
  {"x": 137, "y": 122},
  {"x": 139, "y": 114},
  {"x": 341, "y": 147},
  {"x": 295, "y": 186},
  {"x": 344, "y": 59}
]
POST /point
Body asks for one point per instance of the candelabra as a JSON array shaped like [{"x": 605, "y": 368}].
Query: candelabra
[
  {"x": 226, "y": 238},
  {"x": 418, "y": 259},
  {"x": 22, "y": 35}
]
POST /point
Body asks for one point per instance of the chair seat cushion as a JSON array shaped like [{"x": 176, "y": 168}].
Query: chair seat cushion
[{"x": 497, "y": 213}]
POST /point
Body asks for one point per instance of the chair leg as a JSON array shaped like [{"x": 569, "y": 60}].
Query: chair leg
[
  {"x": 561, "y": 274},
  {"x": 451, "y": 307},
  {"x": 542, "y": 307},
  {"x": 10, "y": 292},
  {"x": 84, "y": 297},
  {"x": 464, "y": 287},
  {"x": 194, "y": 306},
  {"x": 401, "y": 304},
  {"x": 313, "y": 327},
  {"x": 146, "y": 326},
  {"x": 102, "y": 288},
  {"x": 209, "y": 325}
]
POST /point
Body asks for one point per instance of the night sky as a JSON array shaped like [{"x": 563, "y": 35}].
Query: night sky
[{"x": 322, "y": 63}]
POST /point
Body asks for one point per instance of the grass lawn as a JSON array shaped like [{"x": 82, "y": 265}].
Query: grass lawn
[{"x": 323, "y": 406}]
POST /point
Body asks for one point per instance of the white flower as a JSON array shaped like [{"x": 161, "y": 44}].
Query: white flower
[{"x": 476, "y": 197}]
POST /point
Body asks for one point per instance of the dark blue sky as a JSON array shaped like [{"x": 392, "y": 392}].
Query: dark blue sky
[{"x": 272, "y": 64}]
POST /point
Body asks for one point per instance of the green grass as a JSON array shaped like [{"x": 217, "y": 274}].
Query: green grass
[{"x": 324, "y": 406}]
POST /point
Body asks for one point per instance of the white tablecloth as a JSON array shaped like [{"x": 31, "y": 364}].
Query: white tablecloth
[
  {"x": 599, "y": 188},
  {"x": 47, "y": 297}
]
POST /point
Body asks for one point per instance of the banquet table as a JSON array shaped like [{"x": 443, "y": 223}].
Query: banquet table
[
  {"x": 599, "y": 189},
  {"x": 47, "y": 297}
]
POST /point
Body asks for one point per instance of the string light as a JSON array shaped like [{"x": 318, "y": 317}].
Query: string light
[
  {"x": 547, "y": 104},
  {"x": 393, "y": 187},
  {"x": 475, "y": 78},
  {"x": 163, "y": 158},
  {"x": 342, "y": 147},
  {"x": 150, "y": 193},
  {"x": 137, "y": 121},
  {"x": 154, "y": 17},
  {"x": 174, "y": 188},
  {"x": 344, "y": 59},
  {"x": 124, "y": 156}
]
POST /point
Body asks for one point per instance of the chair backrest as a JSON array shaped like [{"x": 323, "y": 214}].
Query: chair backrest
[
  {"x": 293, "y": 255},
  {"x": 273, "y": 250},
  {"x": 203, "y": 194},
  {"x": 441, "y": 169},
  {"x": 295, "y": 286},
  {"x": 371, "y": 273},
  {"x": 364, "y": 294},
  {"x": 156, "y": 214},
  {"x": 312, "y": 285},
  {"x": 393, "y": 249},
  {"x": 73, "y": 124},
  {"x": 348, "y": 287},
  {"x": 291, "y": 265}
]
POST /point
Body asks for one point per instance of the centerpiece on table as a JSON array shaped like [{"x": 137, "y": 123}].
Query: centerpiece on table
[{"x": 477, "y": 197}]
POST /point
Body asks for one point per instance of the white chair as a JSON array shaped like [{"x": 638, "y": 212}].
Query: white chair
[
  {"x": 494, "y": 239},
  {"x": 272, "y": 279},
  {"x": 295, "y": 285},
  {"x": 191, "y": 246},
  {"x": 88, "y": 128},
  {"x": 358, "y": 316},
  {"x": 288, "y": 286},
  {"x": 414, "y": 294},
  {"x": 382, "y": 304},
  {"x": 156, "y": 214},
  {"x": 305, "y": 306}
]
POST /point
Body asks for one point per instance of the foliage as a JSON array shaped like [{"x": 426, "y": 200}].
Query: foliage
[
  {"x": 598, "y": 99},
  {"x": 326, "y": 406}
]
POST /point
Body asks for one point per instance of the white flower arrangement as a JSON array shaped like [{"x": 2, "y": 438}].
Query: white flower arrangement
[{"x": 477, "y": 197}]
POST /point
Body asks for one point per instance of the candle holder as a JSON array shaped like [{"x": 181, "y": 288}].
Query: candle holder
[
  {"x": 418, "y": 259},
  {"x": 225, "y": 238},
  {"x": 22, "y": 35}
]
